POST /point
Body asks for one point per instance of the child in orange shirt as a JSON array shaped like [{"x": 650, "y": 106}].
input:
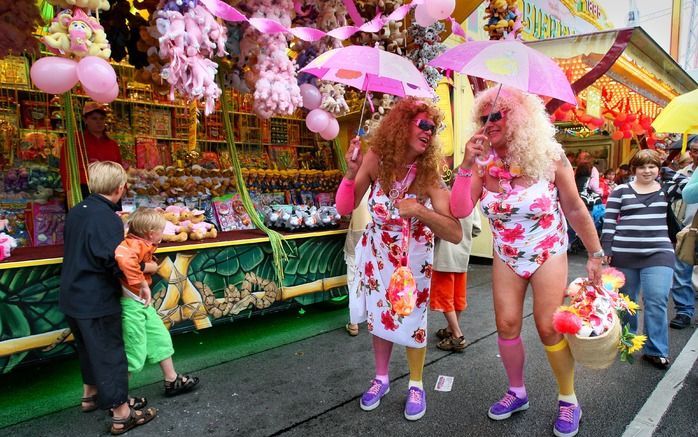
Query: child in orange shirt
[{"x": 145, "y": 336}]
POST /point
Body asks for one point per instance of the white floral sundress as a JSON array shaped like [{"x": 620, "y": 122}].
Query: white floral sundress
[{"x": 378, "y": 254}]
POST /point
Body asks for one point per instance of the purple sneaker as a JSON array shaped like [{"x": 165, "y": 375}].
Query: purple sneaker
[
  {"x": 372, "y": 397},
  {"x": 509, "y": 404},
  {"x": 567, "y": 423},
  {"x": 416, "y": 404}
]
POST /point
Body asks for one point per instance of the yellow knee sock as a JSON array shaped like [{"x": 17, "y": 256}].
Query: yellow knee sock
[
  {"x": 415, "y": 359},
  {"x": 562, "y": 363}
]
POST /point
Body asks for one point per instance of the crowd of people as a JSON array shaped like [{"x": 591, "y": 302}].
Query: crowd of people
[{"x": 406, "y": 218}]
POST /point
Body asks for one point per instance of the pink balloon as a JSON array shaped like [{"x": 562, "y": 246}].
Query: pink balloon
[
  {"x": 54, "y": 75},
  {"x": 105, "y": 97},
  {"x": 440, "y": 9},
  {"x": 422, "y": 17},
  {"x": 331, "y": 131},
  {"x": 312, "y": 98},
  {"x": 317, "y": 120},
  {"x": 95, "y": 74}
]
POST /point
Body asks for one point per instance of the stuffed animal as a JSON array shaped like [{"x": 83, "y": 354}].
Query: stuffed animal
[
  {"x": 7, "y": 243},
  {"x": 199, "y": 229},
  {"x": 91, "y": 5},
  {"x": 174, "y": 230},
  {"x": 18, "y": 20},
  {"x": 77, "y": 34}
]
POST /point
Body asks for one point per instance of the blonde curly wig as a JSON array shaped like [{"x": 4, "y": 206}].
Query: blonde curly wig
[
  {"x": 530, "y": 135},
  {"x": 390, "y": 141}
]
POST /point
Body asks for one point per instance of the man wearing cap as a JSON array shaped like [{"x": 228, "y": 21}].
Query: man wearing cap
[{"x": 93, "y": 145}]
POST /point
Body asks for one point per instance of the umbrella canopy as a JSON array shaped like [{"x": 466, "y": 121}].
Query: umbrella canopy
[
  {"x": 370, "y": 69},
  {"x": 679, "y": 116},
  {"x": 509, "y": 63}
]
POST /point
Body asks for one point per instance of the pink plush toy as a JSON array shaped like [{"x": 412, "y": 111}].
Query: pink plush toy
[
  {"x": 7, "y": 243},
  {"x": 187, "y": 44},
  {"x": 274, "y": 74}
]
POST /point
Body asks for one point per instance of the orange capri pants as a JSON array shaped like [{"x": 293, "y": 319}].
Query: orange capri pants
[{"x": 448, "y": 291}]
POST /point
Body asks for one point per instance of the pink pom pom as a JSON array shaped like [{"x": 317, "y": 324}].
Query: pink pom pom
[{"x": 566, "y": 322}]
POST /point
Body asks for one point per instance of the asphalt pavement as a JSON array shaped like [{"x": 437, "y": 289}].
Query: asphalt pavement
[{"x": 312, "y": 387}]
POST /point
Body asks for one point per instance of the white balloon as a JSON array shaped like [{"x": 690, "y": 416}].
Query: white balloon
[{"x": 422, "y": 16}]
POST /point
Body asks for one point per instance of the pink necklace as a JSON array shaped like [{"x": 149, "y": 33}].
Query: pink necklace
[
  {"x": 501, "y": 170},
  {"x": 399, "y": 188}
]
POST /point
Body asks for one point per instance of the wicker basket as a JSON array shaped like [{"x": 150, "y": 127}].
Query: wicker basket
[{"x": 596, "y": 352}]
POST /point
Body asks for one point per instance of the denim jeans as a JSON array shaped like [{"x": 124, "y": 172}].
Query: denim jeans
[
  {"x": 654, "y": 282},
  {"x": 682, "y": 290}
]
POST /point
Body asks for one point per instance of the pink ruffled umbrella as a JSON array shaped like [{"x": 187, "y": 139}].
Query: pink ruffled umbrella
[
  {"x": 511, "y": 63},
  {"x": 370, "y": 69}
]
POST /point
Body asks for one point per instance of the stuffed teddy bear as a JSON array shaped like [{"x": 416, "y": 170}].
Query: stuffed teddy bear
[
  {"x": 174, "y": 231},
  {"x": 199, "y": 229}
]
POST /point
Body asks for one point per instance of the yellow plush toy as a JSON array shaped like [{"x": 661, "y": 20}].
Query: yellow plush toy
[{"x": 199, "y": 228}]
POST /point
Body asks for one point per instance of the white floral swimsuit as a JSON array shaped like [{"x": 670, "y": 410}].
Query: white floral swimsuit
[{"x": 527, "y": 224}]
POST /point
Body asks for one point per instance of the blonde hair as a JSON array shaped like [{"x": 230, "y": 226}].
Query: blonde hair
[
  {"x": 530, "y": 135},
  {"x": 105, "y": 177},
  {"x": 392, "y": 138},
  {"x": 144, "y": 221}
]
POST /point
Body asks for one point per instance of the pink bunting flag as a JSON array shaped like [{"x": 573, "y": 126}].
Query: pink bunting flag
[{"x": 266, "y": 25}]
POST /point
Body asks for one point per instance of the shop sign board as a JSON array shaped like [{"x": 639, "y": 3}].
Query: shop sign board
[{"x": 544, "y": 19}]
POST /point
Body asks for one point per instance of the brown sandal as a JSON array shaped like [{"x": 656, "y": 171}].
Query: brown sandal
[
  {"x": 452, "y": 344},
  {"x": 352, "y": 329},
  {"x": 91, "y": 401},
  {"x": 443, "y": 333},
  {"x": 181, "y": 384},
  {"x": 134, "y": 419}
]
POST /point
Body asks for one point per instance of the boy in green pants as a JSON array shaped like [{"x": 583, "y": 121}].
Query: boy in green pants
[{"x": 145, "y": 336}]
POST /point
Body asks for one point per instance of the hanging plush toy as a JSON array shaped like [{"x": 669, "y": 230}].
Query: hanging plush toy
[
  {"x": 92, "y": 5},
  {"x": 187, "y": 42},
  {"x": 76, "y": 34},
  {"x": 17, "y": 23}
]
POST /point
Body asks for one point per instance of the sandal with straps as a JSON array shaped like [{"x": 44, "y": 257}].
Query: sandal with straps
[
  {"x": 181, "y": 384},
  {"x": 135, "y": 418},
  {"x": 352, "y": 329},
  {"x": 137, "y": 403},
  {"x": 91, "y": 401}
]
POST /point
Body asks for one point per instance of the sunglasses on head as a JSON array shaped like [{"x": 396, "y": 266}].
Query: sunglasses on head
[
  {"x": 426, "y": 125},
  {"x": 494, "y": 117}
]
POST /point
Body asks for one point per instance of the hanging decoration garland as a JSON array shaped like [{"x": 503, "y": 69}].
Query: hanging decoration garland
[
  {"x": 266, "y": 25},
  {"x": 275, "y": 239}
]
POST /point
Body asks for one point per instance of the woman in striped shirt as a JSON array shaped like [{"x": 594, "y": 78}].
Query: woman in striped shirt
[{"x": 636, "y": 241}]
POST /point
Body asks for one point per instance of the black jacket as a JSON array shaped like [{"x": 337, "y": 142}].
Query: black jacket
[{"x": 90, "y": 285}]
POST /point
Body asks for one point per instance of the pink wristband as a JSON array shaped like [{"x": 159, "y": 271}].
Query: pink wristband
[
  {"x": 345, "y": 197},
  {"x": 461, "y": 200}
]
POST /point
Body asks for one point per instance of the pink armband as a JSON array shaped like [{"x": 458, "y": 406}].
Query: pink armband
[
  {"x": 345, "y": 197},
  {"x": 461, "y": 196}
]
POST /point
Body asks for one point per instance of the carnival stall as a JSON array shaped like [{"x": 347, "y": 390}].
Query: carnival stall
[{"x": 218, "y": 129}]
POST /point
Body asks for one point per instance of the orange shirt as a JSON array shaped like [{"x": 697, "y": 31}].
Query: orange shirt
[{"x": 129, "y": 256}]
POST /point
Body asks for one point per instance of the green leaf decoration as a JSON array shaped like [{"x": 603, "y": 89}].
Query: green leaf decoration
[
  {"x": 250, "y": 257},
  {"x": 226, "y": 262}
]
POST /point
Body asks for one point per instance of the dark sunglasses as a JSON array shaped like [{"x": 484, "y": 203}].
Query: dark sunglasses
[
  {"x": 426, "y": 126},
  {"x": 494, "y": 117}
]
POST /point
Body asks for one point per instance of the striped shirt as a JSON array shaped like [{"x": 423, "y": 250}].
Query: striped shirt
[{"x": 635, "y": 229}]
